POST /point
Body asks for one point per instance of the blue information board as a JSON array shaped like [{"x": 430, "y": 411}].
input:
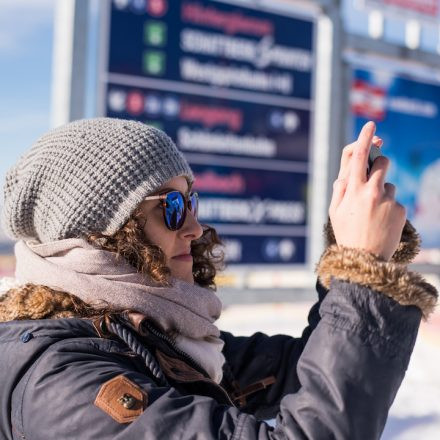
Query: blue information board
[
  {"x": 232, "y": 86},
  {"x": 406, "y": 110}
]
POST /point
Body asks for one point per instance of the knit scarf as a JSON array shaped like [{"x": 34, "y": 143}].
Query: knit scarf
[{"x": 100, "y": 278}]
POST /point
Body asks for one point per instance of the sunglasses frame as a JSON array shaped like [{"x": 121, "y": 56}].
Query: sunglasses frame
[{"x": 186, "y": 200}]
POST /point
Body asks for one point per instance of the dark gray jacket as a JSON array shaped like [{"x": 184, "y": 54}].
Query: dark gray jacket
[{"x": 335, "y": 382}]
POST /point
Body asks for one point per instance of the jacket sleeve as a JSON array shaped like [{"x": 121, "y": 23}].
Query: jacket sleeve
[
  {"x": 253, "y": 358},
  {"x": 349, "y": 372},
  {"x": 259, "y": 356}
]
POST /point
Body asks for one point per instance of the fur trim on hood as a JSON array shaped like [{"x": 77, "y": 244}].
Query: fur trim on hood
[{"x": 390, "y": 278}]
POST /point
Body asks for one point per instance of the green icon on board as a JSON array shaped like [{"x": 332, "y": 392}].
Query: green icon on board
[
  {"x": 154, "y": 62},
  {"x": 155, "y": 33}
]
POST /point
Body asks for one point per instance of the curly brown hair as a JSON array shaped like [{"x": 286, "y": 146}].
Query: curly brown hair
[{"x": 130, "y": 243}]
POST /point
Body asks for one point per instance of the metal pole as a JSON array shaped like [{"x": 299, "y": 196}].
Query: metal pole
[
  {"x": 328, "y": 117},
  {"x": 69, "y": 61}
]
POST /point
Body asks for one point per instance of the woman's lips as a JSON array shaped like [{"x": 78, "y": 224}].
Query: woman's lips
[{"x": 183, "y": 257}]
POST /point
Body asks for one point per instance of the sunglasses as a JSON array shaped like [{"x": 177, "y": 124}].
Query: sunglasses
[{"x": 175, "y": 206}]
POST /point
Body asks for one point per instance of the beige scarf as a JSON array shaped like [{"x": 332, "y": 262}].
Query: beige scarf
[{"x": 98, "y": 278}]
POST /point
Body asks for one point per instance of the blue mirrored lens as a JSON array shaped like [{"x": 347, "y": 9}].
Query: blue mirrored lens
[
  {"x": 174, "y": 210},
  {"x": 194, "y": 204}
]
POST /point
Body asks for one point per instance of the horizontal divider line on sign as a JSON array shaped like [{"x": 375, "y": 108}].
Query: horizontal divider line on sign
[
  {"x": 202, "y": 90},
  {"x": 269, "y": 230},
  {"x": 245, "y": 162}
]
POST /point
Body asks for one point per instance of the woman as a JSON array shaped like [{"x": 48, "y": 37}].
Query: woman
[{"x": 109, "y": 332}]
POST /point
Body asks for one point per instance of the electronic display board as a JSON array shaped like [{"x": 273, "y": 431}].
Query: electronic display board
[
  {"x": 231, "y": 85},
  {"x": 406, "y": 110}
]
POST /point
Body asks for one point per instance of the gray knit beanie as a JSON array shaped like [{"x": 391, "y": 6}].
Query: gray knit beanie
[{"x": 87, "y": 176}]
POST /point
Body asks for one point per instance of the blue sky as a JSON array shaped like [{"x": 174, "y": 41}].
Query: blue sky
[
  {"x": 26, "y": 29},
  {"x": 26, "y": 34},
  {"x": 25, "y": 58}
]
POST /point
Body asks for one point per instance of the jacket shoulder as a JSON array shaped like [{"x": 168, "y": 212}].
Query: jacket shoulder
[{"x": 67, "y": 377}]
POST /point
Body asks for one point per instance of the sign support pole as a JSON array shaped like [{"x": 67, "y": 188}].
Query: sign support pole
[
  {"x": 69, "y": 61},
  {"x": 328, "y": 113}
]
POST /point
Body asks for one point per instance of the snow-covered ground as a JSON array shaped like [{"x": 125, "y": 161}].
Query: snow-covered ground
[{"x": 415, "y": 413}]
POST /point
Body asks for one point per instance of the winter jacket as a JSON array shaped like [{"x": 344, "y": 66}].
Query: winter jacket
[{"x": 119, "y": 377}]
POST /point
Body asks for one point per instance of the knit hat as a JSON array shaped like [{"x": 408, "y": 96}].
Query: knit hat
[{"x": 87, "y": 176}]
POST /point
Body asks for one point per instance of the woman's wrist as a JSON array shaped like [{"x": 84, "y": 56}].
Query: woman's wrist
[{"x": 408, "y": 248}]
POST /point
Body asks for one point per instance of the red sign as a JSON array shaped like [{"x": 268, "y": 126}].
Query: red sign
[
  {"x": 367, "y": 100},
  {"x": 421, "y": 8},
  {"x": 427, "y": 7}
]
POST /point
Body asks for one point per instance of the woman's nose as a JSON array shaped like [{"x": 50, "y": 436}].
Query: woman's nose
[{"x": 191, "y": 228}]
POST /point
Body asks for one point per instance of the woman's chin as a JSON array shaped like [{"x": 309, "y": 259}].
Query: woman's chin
[{"x": 186, "y": 276}]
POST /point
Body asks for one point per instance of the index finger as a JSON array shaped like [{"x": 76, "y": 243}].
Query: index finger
[
  {"x": 347, "y": 153},
  {"x": 358, "y": 172}
]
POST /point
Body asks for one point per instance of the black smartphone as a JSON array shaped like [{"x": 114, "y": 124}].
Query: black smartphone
[{"x": 374, "y": 153}]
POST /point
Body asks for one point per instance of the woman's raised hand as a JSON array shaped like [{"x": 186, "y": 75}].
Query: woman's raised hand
[{"x": 363, "y": 210}]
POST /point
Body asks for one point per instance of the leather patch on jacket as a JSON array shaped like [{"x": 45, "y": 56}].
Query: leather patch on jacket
[{"x": 121, "y": 399}]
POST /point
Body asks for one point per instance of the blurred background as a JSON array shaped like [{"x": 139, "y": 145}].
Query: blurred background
[{"x": 261, "y": 96}]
